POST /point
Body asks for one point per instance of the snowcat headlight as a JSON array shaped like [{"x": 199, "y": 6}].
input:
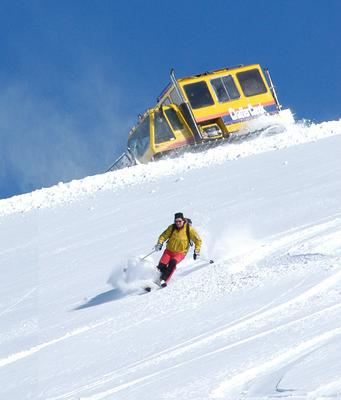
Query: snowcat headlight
[{"x": 211, "y": 131}]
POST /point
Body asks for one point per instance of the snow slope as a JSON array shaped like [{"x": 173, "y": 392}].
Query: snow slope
[{"x": 262, "y": 322}]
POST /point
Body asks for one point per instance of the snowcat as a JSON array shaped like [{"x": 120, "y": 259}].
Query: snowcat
[{"x": 202, "y": 111}]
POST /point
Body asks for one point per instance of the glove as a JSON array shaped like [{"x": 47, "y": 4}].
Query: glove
[
  {"x": 196, "y": 255},
  {"x": 158, "y": 247}
]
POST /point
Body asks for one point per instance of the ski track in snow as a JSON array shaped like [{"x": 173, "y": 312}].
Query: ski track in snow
[
  {"x": 300, "y": 235},
  {"x": 26, "y": 353},
  {"x": 170, "y": 352},
  {"x": 228, "y": 387},
  {"x": 263, "y": 314},
  {"x": 12, "y": 358},
  {"x": 20, "y": 300},
  {"x": 331, "y": 390},
  {"x": 241, "y": 379}
]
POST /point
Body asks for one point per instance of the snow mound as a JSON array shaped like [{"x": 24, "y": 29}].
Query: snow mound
[{"x": 290, "y": 135}]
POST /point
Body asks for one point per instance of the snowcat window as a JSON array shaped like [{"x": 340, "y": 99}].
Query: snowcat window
[
  {"x": 166, "y": 101},
  {"x": 174, "y": 119},
  {"x": 139, "y": 141},
  {"x": 225, "y": 88},
  {"x": 198, "y": 94},
  {"x": 162, "y": 131},
  {"x": 175, "y": 98},
  {"x": 251, "y": 82}
]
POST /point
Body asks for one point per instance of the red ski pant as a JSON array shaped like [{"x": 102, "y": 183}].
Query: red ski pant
[{"x": 168, "y": 262}]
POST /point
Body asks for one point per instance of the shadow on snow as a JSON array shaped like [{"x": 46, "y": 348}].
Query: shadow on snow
[{"x": 102, "y": 298}]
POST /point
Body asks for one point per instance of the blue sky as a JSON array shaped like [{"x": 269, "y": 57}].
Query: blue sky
[{"x": 75, "y": 74}]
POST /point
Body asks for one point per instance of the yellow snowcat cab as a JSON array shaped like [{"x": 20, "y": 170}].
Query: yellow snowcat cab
[{"x": 201, "y": 110}]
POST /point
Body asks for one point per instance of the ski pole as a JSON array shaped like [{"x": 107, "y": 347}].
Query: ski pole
[{"x": 143, "y": 258}]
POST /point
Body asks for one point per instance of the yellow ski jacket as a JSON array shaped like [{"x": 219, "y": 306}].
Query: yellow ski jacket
[{"x": 178, "y": 240}]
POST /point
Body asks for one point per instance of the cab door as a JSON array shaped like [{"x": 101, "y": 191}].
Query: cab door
[{"x": 170, "y": 131}]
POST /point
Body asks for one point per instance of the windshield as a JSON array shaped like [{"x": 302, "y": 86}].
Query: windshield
[{"x": 138, "y": 143}]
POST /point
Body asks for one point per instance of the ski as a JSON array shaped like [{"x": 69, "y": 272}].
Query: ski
[{"x": 155, "y": 286}]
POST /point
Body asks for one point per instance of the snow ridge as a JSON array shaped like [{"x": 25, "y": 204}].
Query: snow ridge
[{"x": 291, "y": 134}]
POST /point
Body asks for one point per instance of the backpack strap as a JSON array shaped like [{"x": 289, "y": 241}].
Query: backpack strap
[
  {"x": 190, "y": 243},
  {"x": 187, "y": 233},
  {"x": 173, "y": 229}
]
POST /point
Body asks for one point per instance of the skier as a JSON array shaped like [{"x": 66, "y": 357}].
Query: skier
[{"x": 179, "y": 236}]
